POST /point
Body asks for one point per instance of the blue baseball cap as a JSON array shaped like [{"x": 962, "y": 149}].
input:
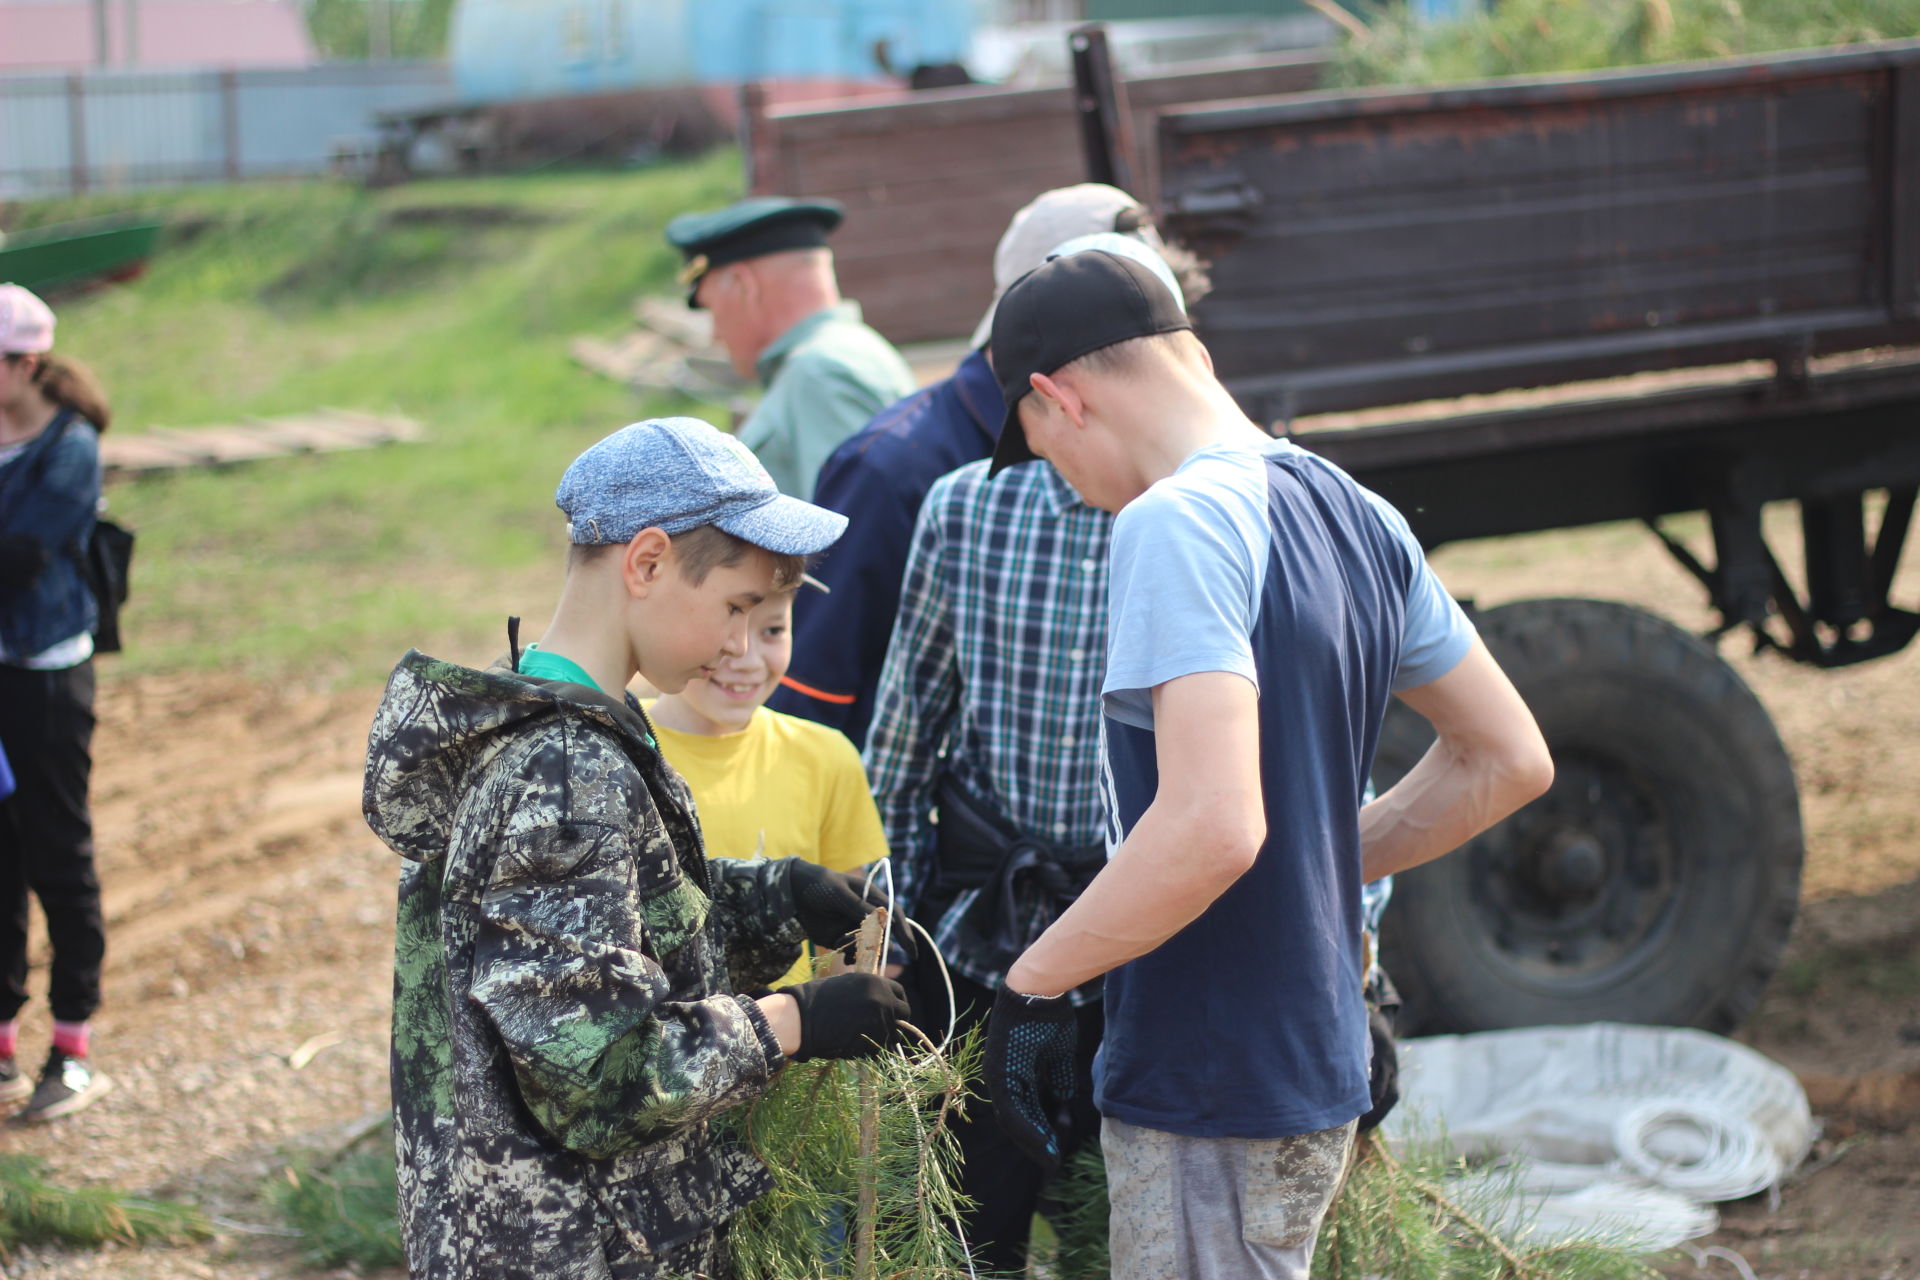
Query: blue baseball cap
[{"x": 676, "y": 474}]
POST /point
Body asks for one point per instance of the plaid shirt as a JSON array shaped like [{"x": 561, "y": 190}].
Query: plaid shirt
[{"x": 992, "y": 679}]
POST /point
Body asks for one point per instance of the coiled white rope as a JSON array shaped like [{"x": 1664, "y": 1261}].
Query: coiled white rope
[{"x": 1696, "y": 1148}]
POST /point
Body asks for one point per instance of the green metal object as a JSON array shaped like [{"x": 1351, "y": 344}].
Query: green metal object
[{"x": 73, "y": 255}]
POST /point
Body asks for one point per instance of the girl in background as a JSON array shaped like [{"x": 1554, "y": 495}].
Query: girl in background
[{"x": 51, "y": 416}]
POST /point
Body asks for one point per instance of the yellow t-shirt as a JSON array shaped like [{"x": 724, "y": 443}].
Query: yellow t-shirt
[{"x": 782, "y": 787}]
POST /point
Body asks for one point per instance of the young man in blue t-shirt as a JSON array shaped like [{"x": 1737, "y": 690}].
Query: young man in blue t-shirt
[{"x": 1263, "y": 607}]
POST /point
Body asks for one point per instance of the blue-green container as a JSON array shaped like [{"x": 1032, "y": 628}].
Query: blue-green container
[{"x": 506, "y": 49}]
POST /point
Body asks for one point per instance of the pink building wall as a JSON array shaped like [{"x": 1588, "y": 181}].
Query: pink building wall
[{"x": 58, "y": 35}]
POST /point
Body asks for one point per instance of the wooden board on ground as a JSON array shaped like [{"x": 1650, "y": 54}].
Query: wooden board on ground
[{"x": 324, "y": 431}]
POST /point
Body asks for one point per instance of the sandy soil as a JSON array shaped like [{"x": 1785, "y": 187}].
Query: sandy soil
[{"x": 250, "y": 930}]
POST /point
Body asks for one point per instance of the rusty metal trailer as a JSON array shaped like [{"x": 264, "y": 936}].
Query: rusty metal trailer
[
  {"x": 1716, "y": 269},
  {"x": 1532, "y": 304},
  {"x": 930, "y": 181}
]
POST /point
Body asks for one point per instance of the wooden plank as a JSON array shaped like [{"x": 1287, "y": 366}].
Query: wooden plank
[
  {"x": 121, "y": 454},
  {"x": 1503, "y": 236},
  {"x": 222, "y": 446},
  {"x": 334, "y": 430},
  {"x": 325, "y": 431},
  {"x": 189, "y": 444},
  {"x": 382, "y": 428},
  {"x": 673, "y": 319}
]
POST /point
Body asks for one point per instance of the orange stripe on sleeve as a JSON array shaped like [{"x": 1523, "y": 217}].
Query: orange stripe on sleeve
[{"x": 837, "y": 699}]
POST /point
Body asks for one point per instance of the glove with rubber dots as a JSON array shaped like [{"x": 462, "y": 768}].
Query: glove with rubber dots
[
  {"x": 830, "y": 905},
  {"x": 850, "y": 1015},
  {"x": 1029, "y": 1069}
]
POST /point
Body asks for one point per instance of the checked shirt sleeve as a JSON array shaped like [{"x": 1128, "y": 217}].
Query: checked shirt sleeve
[{"x": 918, "y": 702}]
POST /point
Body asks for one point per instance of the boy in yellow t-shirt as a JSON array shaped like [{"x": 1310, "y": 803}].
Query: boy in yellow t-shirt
[{"x": 767, "y": 784}]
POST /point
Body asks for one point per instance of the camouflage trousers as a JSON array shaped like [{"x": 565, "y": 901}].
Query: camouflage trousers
[{"x": 1219, "y": 1208}]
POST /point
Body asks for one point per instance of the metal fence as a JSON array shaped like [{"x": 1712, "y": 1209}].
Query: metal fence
[{"x": 62, "y": 133}]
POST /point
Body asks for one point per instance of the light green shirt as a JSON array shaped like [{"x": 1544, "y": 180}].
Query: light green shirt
[
  {"x": 826, "y": 377},
  {"x": 541, "y": 665}
]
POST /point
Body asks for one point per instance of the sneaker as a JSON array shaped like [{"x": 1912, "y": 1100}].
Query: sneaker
[
  {"x": 66, "y": 1085},
  {"x": 13, "y": 1085}
]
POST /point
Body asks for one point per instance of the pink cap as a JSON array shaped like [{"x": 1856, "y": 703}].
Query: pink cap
[{"x": 26, "y": 323}]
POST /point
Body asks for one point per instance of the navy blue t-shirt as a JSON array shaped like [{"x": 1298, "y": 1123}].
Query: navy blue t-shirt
[{"x": 1268, "y": 562}]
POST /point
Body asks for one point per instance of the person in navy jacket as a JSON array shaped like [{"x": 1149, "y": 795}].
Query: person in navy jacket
[{"x": 879, "y": 476}]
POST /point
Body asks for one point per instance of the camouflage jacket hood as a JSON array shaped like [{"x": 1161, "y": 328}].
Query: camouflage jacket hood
[{"x": 565, "y": 962}]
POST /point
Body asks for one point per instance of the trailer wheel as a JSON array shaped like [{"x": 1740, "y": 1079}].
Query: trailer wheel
[{"x": 1656, "y": 882}]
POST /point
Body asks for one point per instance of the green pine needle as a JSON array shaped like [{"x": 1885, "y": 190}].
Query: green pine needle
[
  {"x": 35, "y": 1211},
  {"x": 806, "y": 1131}
]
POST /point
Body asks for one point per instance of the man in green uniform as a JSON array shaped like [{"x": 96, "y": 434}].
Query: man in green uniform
[{"x": 762, "y": 267}]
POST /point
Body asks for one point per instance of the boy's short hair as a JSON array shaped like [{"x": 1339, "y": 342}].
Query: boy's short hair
[
  {"x": 1126, "y": 359},
  {"x": 700, "y": 550}
]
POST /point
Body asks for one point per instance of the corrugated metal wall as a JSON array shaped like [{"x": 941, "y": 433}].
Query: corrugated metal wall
[{"x": 114, "y": 129}]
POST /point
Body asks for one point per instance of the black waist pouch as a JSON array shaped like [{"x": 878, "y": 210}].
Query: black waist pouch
[{"x": 1024, "y": 883}]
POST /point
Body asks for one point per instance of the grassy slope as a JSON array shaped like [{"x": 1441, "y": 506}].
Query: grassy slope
[
  {"x": 289, "y": 297},
  {"x": 1531, "y": 37}
]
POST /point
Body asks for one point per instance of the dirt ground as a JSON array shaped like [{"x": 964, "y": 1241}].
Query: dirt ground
[{"x": 250, "y": 928}]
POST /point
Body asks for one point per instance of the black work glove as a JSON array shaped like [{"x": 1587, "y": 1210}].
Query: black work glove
[
  {"x": 1029, "y": 1069},
  {"x": 850, "y": 1015},
  {"x": 830, "y": 905}
]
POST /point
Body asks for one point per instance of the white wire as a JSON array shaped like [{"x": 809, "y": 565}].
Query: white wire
[
  {"x": 1726, "y": 1157},
  {"x": 933, "y": 949},
  {"x": 953, "y": 1012},
  {"x": 946, "y": 978}
]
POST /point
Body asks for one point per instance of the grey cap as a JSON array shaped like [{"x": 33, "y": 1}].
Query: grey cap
[
  {"x": 675, "y": 474},
  {"x": 1052, "y": 217}
]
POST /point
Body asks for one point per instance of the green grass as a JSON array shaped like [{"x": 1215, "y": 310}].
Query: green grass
[
  {"x": 345, "y": 1209},
  {"x": 280, "y": 298},
  {"x": 1892, "y": 972},
  {"x": 1532, "y": 37}
]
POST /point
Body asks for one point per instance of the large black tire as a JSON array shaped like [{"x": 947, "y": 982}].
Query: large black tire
[{"x": 1656, "y": 882}]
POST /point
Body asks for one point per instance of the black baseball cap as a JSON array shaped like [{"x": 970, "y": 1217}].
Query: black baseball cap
[{"x": 1063, "y": 310}]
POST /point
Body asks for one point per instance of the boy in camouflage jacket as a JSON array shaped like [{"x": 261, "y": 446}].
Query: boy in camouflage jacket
[{"x": 567, "y": 1021}]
